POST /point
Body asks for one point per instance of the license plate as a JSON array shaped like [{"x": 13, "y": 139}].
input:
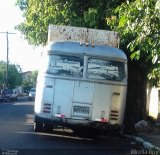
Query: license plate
[{"x": 81, "y": 109}]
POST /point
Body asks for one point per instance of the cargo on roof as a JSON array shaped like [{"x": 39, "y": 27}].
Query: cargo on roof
[{"x": 80, "y": 34}]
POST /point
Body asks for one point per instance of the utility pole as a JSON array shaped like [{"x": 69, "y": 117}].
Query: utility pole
[{"x": 7, "y": 33}]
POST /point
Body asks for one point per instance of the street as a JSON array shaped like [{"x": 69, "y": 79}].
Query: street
[{"x": 18, "y": 137}]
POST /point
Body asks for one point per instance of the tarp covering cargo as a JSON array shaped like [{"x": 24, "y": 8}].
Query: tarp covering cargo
[{"x": 92, "y": 36}]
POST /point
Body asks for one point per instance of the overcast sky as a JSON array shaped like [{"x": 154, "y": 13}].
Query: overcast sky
[{"x": 20, "y": 52}]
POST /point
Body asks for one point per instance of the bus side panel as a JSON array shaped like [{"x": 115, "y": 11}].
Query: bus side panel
[
  {"x": 63, "y": 97},
  {"x": 39, "y": 95},
  {"x": 101, "y": 102},
  {"x": 44, "y": 97},
  {"x": 82, "y": 99},
  {"x": 118, "y": 103},
  {"x": 48, "y": 91},
  {"x": 83, "y": 92}
]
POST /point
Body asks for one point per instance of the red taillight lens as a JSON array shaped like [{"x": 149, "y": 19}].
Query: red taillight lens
[{"x": 60, "y": 115}]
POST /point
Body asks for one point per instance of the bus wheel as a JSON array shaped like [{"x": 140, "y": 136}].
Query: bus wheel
[
  {"x": 86, "y": 133},
  {"x": 48, "y": 128},
  {"x": 38, "y": 127}
]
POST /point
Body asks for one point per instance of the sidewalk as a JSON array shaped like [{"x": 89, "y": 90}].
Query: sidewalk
[
  {"x": 149, "y": 141},
  {"x": 153, "y": 138}
]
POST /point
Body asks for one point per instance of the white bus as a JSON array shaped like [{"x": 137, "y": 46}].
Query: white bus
[{"x": 81, "y": 86}]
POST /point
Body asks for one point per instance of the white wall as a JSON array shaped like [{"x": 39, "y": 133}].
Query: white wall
[{"x": 152, "y": 100}]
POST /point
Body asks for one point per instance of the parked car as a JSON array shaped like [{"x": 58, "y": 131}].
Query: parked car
[
  {"x": 8, "y": 95},
  {"x": 0, "y": 97},
  {"x": 32, "y": 93}
]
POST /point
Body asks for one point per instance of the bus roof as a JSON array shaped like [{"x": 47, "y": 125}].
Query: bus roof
[{"x": 75, "y": 48}]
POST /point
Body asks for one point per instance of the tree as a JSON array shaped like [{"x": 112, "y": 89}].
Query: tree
[
  {"x": 14, "y": 75},
  {"x": 138, "y": 23},
  {"x": 83, "y": 13},
  {"x": 2, "y": 74},
  {"x": 30, "y": 81}
]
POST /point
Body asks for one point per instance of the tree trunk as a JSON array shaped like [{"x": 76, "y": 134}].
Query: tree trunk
[{"x": 136, "y": 96}]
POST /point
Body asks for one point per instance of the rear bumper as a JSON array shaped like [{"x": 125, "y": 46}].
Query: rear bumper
[
  {"x": 31, "y": 98},
  {"x": 6, "y": 98},
  {"x": 72, "y": 123}
]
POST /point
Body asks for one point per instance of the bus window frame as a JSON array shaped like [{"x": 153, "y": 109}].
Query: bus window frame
[
  {"x": 106, "y": 59},
  {"x": 85, "y": 67}
]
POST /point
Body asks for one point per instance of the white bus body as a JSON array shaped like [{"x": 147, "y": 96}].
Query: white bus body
[{"x": 81, "y": 85}]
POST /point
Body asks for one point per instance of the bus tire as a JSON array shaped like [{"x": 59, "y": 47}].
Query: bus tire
[
  {"x": 86, "y": 133},
  {"x": 38, "y": 127},
  {"x": 48, "y": 128}
]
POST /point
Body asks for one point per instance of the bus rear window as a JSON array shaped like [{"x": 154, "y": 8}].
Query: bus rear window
[
  {"x": 106, "y": 70},
  {"x": 64, "y": 65}
]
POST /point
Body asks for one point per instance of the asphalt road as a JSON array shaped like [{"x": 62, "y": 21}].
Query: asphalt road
[{"x": 17, "y": 136}]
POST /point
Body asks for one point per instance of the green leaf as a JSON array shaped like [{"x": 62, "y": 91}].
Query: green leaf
[
  {"x": 135, "y": 55},
  {"x": 155, "y": 58},
  {"x": 122, "y": 21}
]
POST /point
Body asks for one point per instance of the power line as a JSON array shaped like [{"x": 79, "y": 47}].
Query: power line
[{"x": 7, "y": 33}]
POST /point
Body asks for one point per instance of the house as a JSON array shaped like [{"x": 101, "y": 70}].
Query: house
[
  {"x": 153, "y": 101},
  {"x": 26, "y": 75}
]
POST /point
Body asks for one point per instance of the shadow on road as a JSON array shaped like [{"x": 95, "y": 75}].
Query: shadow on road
[{"x": 17, "y": 120}]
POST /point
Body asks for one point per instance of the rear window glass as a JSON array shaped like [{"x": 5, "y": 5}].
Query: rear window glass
[
  {"x": 7, "y": 91},
  {"x": 33, "y": 90},
  {"x": 65, "y": 65},
  {"x": 73, "y": 66},
  {"x": 106, "y": 70}
]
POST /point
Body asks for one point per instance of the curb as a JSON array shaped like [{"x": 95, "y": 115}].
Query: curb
[{"x": 145, "y": 143}]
